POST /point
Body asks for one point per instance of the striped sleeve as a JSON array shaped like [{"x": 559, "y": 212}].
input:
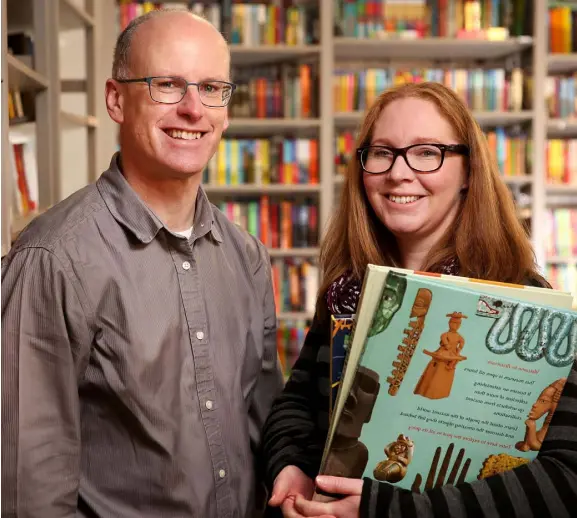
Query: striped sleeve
[
  {"x": 544, "y": 488},
  {"x": 296, "y": 428}
]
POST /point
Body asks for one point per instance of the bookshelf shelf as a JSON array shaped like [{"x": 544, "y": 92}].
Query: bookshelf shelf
[
  {"x": 22, "y": 77},
  {"x": 445, "y": 49},
  {"x": 252, "y": 189},
  {"x": 293, "y": 252},
  {"x": 269, "y": 127},
  {"x": 75, "y": 120},
  {"x": 72, "y": 85},
  {"x": 245, "y": 55},
  {"x": 570, "y": 190},
  {"x": 294, "y": 315},
  {"x": 348, "y": 119},
  {"x": 561, "y": 63},
  {"x": 73, "y": 17},
  {"x": 562, "y": 260},
  {"x": 518, "y": 180},
  {"x": 561, "y": 128},
  {"x": 503, "y": 118}
]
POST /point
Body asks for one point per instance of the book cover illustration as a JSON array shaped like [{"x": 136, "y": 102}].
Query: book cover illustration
[
  {"x": 341, "y": 329},
  {"x": 472, "y": 381}
]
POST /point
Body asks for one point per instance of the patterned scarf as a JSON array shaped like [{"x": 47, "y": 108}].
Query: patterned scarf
[{"x": 343, "y": 294}]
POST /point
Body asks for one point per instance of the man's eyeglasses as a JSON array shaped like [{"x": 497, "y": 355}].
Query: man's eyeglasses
[
  {"x": 421, "y": 158},
  {"x": 171, "y": 90}
]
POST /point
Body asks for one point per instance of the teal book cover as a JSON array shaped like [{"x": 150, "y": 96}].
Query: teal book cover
[{"x": 453, "y": 385}]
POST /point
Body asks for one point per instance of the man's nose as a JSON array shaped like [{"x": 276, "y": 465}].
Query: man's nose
[{"x": 191, "y": 105}]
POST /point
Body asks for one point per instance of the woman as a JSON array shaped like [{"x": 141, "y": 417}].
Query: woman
[{"x": 422, "y": 193}]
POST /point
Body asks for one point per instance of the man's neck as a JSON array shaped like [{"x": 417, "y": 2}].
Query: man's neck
[{"x": 173, "y": 200}]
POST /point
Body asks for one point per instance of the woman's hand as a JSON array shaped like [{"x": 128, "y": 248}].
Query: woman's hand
[
  {"x": 347, "y": 507},
  {"x": 290, "y": 483}
]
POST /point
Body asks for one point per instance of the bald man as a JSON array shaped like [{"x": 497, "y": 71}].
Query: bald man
[{"x": 138, "y": 324}]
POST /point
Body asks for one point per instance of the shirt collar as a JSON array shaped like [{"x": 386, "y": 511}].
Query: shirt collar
[{"x": 132, "y": 213}]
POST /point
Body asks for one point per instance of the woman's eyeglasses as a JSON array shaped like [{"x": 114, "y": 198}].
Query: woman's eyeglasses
[{"x": 421, "y": 158}]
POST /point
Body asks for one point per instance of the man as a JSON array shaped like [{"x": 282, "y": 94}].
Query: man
[{"x": 138, "y": 324}]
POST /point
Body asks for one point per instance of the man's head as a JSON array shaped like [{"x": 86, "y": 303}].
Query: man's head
[{"x": 161, "y": 136}]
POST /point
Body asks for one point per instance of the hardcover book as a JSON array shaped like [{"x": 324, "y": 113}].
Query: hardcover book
[{"x": 447, "y": 381}]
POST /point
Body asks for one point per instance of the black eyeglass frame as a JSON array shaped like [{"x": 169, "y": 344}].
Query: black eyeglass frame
[
  {"x": 460, "y": 149},
  {"x": 149, "y": 79}
]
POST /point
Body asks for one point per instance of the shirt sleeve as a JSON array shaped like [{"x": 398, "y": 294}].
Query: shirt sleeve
[
  {"x": 270, "y": 380},
  {"x": 546, "y": 487},
  {"x": 293, "y": 434},
  {"x": 45, "y": 347}
]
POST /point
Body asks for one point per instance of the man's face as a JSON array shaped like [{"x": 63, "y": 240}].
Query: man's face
[{"x": 173, "y": 140}]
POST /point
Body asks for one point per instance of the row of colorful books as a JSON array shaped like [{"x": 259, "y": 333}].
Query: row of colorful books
[
  {"x": 562, "y": 162},
  {"x": 482, "y": 89},
  {"x": 561, "y": 96},
  {"x": 290, "y": 90},
  {"x": 285, "y": 223},
  {"x": 289, "y": 22},
  {"x": 273, "y": 23},
  {"x": 563, "y": 276},
  {"x": 264, "y": 161},
  {"x": 561, "y": 224},
  {"x": 290, "y": 337},
  {"x": 286, "y": 90},
  {"x": 482, "y": 19},
  {"x": 296, "y": 282}
]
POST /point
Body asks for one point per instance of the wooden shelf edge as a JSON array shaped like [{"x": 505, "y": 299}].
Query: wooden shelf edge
[
  {"x": 262, "y": 188},
  {"x": 295, "y": 252},
  {"x": 556, "y": 259},
  {"x": 30, "y": 74},
  {"x": 294, "y": 315},
  {"x": 71, "y": 10},
  {"x": 79, "y": 120},
  {"x": 274, "y": 48},
  {"x": 276, "y": 122},
  {"x": 482, "y": 117}
]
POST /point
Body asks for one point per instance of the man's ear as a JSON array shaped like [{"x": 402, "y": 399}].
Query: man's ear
[{"x": 114, "y": 101}]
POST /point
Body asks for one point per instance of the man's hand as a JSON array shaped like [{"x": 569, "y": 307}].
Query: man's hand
[
  {"x": 347, "y": 507},
  {"x": 290, "y": 483}
]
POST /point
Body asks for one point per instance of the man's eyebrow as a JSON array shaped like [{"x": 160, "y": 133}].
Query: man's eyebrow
[{"x": 215, "y": 78}]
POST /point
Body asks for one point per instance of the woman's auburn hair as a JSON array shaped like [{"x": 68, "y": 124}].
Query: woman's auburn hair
[{"x": 487, "y": 239}]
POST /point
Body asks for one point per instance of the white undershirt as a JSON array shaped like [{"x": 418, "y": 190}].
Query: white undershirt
[{"x": 185, "y": 233}]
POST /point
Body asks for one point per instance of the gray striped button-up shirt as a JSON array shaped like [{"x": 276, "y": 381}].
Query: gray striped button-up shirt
[{"x": 138, "y": 366}]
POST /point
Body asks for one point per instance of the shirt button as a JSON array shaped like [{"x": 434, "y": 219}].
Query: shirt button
[
  {"x": 202, "y": 224},
  {"x": 186, "y": 265},
  {"x": 222, "y": 473},
  {"x": 208, "y": 404},
  {"x": 200, "y": 335}
]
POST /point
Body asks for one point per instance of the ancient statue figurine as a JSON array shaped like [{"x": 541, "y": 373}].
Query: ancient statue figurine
[
  {"x": 400, "y": 454},
  {"x": 348, "y": 456},
  {"x": 410, "y": 341},
  {"x": 437, "y": 379},
  {"x": 390, "y": 303},
  {"x": 546, "y": 404}
]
